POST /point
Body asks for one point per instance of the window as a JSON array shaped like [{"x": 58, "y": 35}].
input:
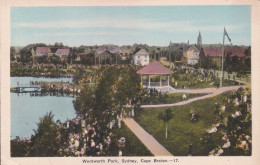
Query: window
[
  {"x": 145, "y": 56},
  {"x": 138, "y": 56}
]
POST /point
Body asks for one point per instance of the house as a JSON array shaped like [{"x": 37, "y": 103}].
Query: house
[
  {"x": 216, "y": 53},
  {"x": 191, "y": 55},
  {"x": 43, "y": 51},
  {"x": 114, "y": 49},
  {"x": 88, "y": 58},
  {"x": 63, "y": 53},
  {"x": 106, "y": 58},
  {"x": 125, "y": 54},
  {"x": 140, "y": 57},
  {"x": 100, "y": 50}
]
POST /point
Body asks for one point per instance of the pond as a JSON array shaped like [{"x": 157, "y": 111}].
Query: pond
[{"x": 26, "y": 110}]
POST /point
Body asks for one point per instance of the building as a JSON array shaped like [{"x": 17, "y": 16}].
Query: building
[
  {"x": 100, "y": 50},
  {"x": 43, "y": 51},
  {"x": 199, "y": 41},
  {"x": 191, "y": 55},
  {"x": 114, "y": 49},
  {"x": 140, "y": 57},
  {"x": 216, "y": 53},
  {"x": 149, "y": 74},
  {"x": 63, "y": 53},
  {"x": 106, "y": 57},
  {"x": 173, "y": 47},
  {"x": 125, "y": 54}
]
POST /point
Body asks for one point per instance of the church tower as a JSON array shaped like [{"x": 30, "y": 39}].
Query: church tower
[{"x": 199, "y": 40}]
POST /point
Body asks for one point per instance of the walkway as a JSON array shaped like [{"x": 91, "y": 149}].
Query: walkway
[
  {"x": 213, "y": 91},
  {"x": 148, "y": 140}
]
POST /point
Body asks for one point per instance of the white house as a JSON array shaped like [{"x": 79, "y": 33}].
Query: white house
[{"x": 141, "y": 57}]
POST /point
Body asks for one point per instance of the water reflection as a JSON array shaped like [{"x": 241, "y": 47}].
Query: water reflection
[{"x": 28, "y": 108}]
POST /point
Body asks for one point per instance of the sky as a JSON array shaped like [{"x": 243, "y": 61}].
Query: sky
[{"x": 126, "y": 25}]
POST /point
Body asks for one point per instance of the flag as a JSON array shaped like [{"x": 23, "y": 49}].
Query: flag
[{"x": 227, "y": 34}]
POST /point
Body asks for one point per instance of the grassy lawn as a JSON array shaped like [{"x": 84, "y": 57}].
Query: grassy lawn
[
  {"x": 182, "y": 131},
  {"x": 133, "y": 146},
  {"x": 168, "y": 99},
  {"x": 203, "y": 84}
]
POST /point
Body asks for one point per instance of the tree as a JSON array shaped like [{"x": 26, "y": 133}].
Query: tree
[
  {"x": 228, "y": 65},
  {"x": 12, "y": 51},
  {"x": 46, "y": 142},
  {"x": 166, "y": 117}
]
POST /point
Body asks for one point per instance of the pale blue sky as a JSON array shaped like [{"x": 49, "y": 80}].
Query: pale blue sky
[{"x": 152, "y": 25}]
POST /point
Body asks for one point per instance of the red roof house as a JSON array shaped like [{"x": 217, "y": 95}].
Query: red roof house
[
  {"x": 217, "y": 52},
  {"x": 40, "y": 51},
  {"x": 63, "y": 52}
]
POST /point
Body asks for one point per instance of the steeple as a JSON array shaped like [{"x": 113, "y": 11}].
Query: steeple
[{"x": 199, "y": 40}]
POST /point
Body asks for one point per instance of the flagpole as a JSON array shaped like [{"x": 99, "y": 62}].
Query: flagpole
[{"x": 222, "y": 66}]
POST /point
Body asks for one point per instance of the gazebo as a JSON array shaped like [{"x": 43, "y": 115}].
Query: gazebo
[{"x": 155, "y": 69}]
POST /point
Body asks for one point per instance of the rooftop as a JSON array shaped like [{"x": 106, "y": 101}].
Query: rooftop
[{"x": 154, "y": 68}]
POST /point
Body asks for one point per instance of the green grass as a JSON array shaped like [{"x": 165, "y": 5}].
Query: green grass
[
  {"x": 169, "y": 99},
  {"x": 198, "y": 84},
  {"x": 181, "y": 130},
  {"x": 133, "y": 146}
]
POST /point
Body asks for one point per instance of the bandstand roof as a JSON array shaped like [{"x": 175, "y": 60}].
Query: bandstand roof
[{"x": 154, "y": 68}]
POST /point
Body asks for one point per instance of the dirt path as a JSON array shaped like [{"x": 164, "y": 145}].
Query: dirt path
[
  {"x": 148, "y": 140},
  {"x": 213, "y": 91}
]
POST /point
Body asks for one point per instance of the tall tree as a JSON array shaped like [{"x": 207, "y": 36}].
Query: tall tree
[
  {"x": 166, "y": 117},
  {"x": 46, "y": 141}
]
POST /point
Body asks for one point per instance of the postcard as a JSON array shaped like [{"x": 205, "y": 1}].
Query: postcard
[{"x": 129, "y": 82}]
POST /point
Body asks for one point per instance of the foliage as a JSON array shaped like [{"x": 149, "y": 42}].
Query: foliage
[
  {"x": 46, "y": 141},
  {"x": 182, "y": 132},
  {"x": 166, "y": 117}
]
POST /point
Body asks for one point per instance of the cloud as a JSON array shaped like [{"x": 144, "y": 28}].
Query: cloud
[
  {"x": 112, "y": 23},
  {"x": 104, "y": 23},
  {"x": 84, "y": 34}
]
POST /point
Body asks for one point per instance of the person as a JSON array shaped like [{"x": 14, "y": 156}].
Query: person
[
  {"x": 120, "y": 153},
  {"x": 119, "y": 123},
  {"x": 227, "y": 144},
  {"x": 133, "y": 112},
  {"x": 223, "y": 109},
  {"x": 190, "y": 150},
  {"x": 237, "y": 114},
  {"x": 184, "y": 97},
  {"x": 93, "y": 144},
  {"x": 212, "y": 130},
  {"x": 245, "y": 98}
]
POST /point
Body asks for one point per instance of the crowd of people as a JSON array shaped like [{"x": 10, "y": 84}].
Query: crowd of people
[
  {"x": 235, "y": 123},
  {"x": 190, "y": 78},
  {"x": 62, "y": 87}
]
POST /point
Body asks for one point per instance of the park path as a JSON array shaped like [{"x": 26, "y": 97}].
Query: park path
[
  {"x": 148, "y": 140},
  {"x": 213, "y": 92}
]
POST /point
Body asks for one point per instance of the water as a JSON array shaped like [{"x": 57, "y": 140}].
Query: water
[{"x": 26, "y": 111}]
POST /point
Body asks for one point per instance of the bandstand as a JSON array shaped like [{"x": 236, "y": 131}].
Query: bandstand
[{"x": 156, "y": 71}]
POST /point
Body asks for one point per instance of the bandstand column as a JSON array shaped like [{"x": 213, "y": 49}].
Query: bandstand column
[
  {"x": 160, "y": 80},
  {"x": 168, "y": 82},
  {"x": 149, "y": 81},
  {"x": 141, "y": 79}
]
